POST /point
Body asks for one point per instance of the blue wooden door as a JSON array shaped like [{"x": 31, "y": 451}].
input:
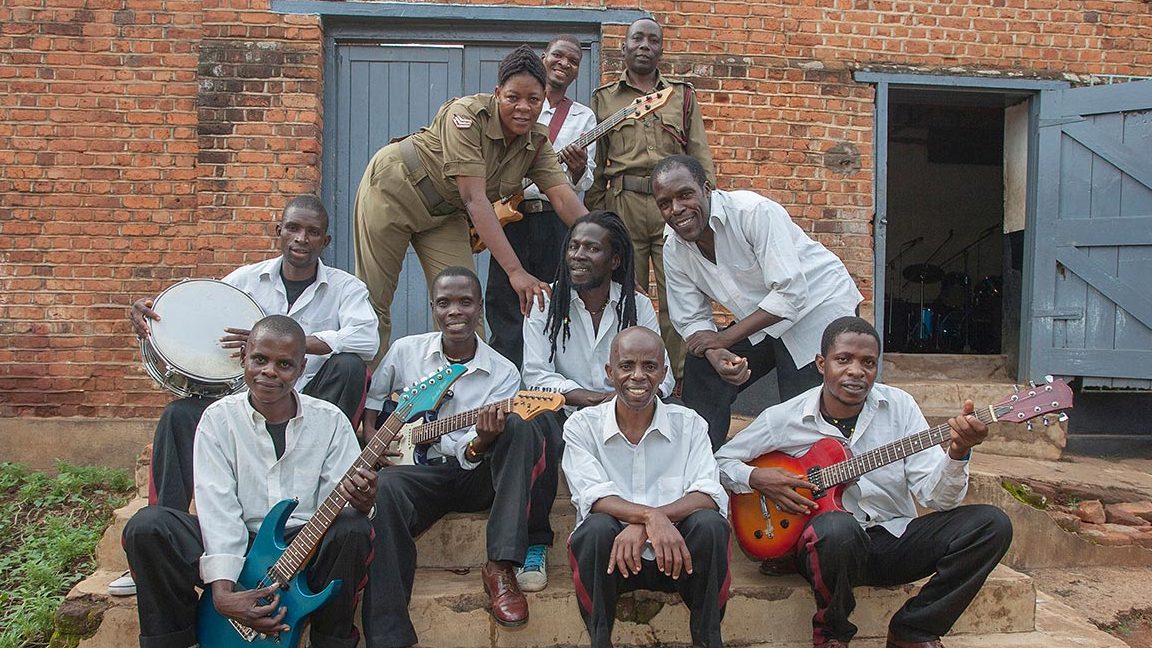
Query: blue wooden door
[
  {"x": 1091, "y": 279},
  {"x": 384, "y": 91}
]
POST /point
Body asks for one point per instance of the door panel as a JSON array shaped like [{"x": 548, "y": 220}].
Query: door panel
[
  {"x": 1092, "y": 272},
  {"x": 384, "y": 91}
]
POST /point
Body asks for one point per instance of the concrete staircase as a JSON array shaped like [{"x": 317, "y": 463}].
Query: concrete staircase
[{"x": 448, "y": 604}]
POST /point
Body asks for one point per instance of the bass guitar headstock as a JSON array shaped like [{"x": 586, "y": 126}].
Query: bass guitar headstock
[
  {"x": 649, "y": 102},
  {"x": 425, "y": 394}
]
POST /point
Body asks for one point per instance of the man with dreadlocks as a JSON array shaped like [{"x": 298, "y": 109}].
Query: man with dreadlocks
[
  {"x": 567, "y": 347},
  {"x": 426, "y": 188}
]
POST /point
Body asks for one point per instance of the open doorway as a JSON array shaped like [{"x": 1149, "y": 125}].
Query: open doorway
[{"x": 956, "y": 186}]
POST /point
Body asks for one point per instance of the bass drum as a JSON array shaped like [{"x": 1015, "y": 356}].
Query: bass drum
[{"x": 183, "y": 353}]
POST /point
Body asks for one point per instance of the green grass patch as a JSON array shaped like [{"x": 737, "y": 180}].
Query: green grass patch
[{"x": 49, "y": 528}]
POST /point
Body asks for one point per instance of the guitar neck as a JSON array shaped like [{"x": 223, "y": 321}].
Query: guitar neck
[
  {"x": 599, "y": 130},
  {"x": 849, "y": 469},
  {"x": 433, "y": 430},
  {"x": 308, "y": 539}
]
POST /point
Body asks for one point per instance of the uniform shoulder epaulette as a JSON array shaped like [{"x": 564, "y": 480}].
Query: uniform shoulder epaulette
[{"x": 606, "y": 85}]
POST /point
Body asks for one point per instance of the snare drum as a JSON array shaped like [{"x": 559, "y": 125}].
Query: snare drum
[{"x": 183, "y": 353}]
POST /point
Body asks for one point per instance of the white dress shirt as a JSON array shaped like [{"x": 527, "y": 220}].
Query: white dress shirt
[
  {"x": 239, "y": 479},
  {"x": 335, "y": 309},
  {"x": 672, "y": 459},
  {"x": 490, "y": 377},
  {"x": 883, "y": 496},
  {"x": 579, "y": 362},
  {"x": 580, "y": 120},
  {"x": 763, "y": 261}
]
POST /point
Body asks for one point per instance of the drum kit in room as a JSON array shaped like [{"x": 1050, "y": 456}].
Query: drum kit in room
[
  {"x": 183, "y": 353},
  {"x": 961, "y": 318}
]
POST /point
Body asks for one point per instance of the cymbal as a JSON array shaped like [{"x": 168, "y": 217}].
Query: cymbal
[{"x": 923, "y": 273}]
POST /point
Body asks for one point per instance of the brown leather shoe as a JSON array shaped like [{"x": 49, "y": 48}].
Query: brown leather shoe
[
  {"x": 893, "y": 642},
  {"x": 507, "y": 603}
]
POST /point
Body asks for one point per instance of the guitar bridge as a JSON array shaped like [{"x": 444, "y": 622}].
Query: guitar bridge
[{"x": 814, "y": 478}]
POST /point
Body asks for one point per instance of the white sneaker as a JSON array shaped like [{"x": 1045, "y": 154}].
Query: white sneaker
[
  {"x": 123, "y": 586},
  {"x": 533, "y": 576}
]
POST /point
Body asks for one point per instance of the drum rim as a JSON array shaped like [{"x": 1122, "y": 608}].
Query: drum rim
[{"x": 187, "y": 373}]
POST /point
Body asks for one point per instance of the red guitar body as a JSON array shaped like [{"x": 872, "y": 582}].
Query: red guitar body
[{"x": 764, "y": 531}]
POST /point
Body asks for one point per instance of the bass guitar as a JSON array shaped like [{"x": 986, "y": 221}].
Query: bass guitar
[
  {"x": 505, "y": 208},
  {"x": 528, "y": 404},
  {"x": 270, "y": 561},
  {"x": 765, "y": 531}
]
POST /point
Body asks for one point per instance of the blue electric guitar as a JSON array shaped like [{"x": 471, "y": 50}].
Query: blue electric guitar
[{"x": 271, "y": 561}]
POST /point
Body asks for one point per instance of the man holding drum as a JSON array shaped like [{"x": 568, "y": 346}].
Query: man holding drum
[{"x": 332, "y": 307}]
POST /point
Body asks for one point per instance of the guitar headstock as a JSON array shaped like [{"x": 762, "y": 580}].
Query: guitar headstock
[
  {"x": 1034, "y": 400},
  {"x": 425, "y": 394},
  {"x": 649, "y": 102},
  {"x": 530, "y": 404}
]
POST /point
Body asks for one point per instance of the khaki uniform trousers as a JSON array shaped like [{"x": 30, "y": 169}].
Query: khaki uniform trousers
[
  {"x": 646, "y": 227},
  {"x": 389, "y": 215}
]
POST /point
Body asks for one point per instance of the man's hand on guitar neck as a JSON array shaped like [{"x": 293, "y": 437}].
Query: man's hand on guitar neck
[
  {"x": 489, "y": 426},
  {"x": 576, "y": 159},
  {"x": 247, "y": 608},
  {"x": 779, "y": 486},
  {"x": 359, "y": 489},
  {"x": 967, "y": 432}
]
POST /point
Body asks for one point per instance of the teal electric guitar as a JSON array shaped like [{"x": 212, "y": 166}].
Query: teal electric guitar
[{"x": 270, "y": 561}]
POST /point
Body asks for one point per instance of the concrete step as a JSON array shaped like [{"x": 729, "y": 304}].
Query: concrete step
[
  {"x": 945, "y": 366},
  {"x": 449, "y": 611}
]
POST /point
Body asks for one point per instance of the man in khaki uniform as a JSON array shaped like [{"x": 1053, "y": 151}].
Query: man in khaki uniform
[
  {"x": 626, "y": 155},
  {"x": 424, "y": 189}
]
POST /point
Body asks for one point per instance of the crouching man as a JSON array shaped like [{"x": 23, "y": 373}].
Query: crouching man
[{"x": 650, "y": 511}]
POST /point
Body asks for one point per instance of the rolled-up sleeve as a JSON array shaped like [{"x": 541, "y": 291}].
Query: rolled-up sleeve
[
  {"x": 935, "y": 479},
  {"x": 358, "y": 332},
  {"x": 748, "y": 444},
  {"x": 509, "y": 384},
  {"x": 217, "y": 504},
  {"x": 587, "y": 480}
]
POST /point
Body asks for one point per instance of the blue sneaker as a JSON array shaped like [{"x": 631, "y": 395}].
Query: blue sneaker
[{"x": 533, "y": 576}]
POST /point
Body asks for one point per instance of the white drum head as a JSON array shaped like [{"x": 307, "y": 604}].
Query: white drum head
[{"x": 193, "y": 316}]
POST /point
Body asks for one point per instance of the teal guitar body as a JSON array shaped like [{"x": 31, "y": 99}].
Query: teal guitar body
[{"x": 271, "y": 561}]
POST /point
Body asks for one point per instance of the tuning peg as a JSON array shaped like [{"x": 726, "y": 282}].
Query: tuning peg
[
  {"x": 1032, "y": 384},
  {"x": 1046, "y": 421},
  {"x": 1016, "y": 389},
  {"x": 1062, "y": 417},
  {"x": 1029, "y": 426},
  {"x": 1048, "y": 378}
]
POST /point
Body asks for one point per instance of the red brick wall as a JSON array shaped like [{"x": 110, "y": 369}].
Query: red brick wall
[{"x": 146, "y": 140}]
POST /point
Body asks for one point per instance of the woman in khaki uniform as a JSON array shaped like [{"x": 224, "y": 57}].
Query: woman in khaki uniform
[{"x": 424, "y": 189}]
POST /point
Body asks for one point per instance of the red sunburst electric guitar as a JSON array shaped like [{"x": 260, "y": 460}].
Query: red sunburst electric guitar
[{"x": 765, "y": 531}]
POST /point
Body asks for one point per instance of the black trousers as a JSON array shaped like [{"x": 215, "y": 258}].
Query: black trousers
[
  {"x": 705, "y": 592},
  {"x": 164, "y": 548},
  {"x": 712, "y": 398},
  {"x": 342, "y": 381},
  {"x": 550, "y": 427},
  {"x": 412, "y": 498},
  {"x": 537, "y": 239},
  {"x": 957, "y": 548}
]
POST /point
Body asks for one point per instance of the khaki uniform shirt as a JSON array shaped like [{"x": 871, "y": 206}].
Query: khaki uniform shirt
[
  {"x": 465, "y": 139},
  {"x": 635, "y": 146}
]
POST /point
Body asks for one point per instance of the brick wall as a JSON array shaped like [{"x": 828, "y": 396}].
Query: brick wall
[{"x": 142, "y": 141}]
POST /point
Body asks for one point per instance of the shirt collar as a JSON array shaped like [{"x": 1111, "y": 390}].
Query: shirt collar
[
  {"x": 481, "y": 362},
  {"x": 659, "y": 424},
  {"x": 613, "y": 297},
  {"x": 660, "y": 82},
  {"x": 811, "y": 398},
  {"x": 718, "y": 205},
  {"x": 259, "y": 420},
  {"x": 273, "y": 271}
]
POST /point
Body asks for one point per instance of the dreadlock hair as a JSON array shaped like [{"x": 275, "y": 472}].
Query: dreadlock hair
[
  {"x": 523, "y": 59},
  {"x": 625, "y": 275}
]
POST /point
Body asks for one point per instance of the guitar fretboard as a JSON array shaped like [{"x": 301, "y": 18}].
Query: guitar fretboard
[
  {"x": 308, "y": 539},
  {"x": 850, "y": 469},
  {"x": 435, "y": 429}
]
